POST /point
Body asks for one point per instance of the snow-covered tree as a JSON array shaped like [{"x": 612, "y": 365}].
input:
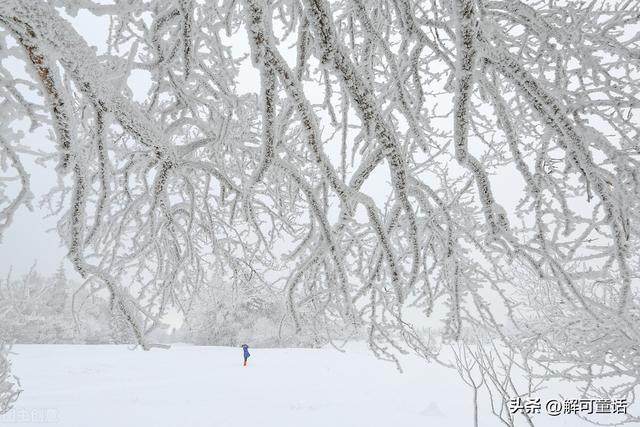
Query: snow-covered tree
[
  {"x": 52, "y": 310},
  {"x": 233, "y": 312},
  {"x": 34, "y": 308},
  {"x": 367, "y": 177},
  {"x": 9, "y": 390}
]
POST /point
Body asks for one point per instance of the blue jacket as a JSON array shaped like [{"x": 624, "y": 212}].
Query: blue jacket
[{"x": 246, "y": 350}]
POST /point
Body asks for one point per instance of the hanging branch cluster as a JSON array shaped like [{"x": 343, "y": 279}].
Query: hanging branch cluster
[{"x": 365, "y": 169}]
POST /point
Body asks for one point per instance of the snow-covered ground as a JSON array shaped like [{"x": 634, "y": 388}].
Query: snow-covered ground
[{"x": 80, "y": 385}]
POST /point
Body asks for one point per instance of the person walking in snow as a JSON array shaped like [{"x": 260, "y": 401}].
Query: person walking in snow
[{"x": 245, "y": 348}]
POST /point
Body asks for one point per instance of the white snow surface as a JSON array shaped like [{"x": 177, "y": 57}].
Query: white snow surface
[{"x": 111, "y": 385}]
